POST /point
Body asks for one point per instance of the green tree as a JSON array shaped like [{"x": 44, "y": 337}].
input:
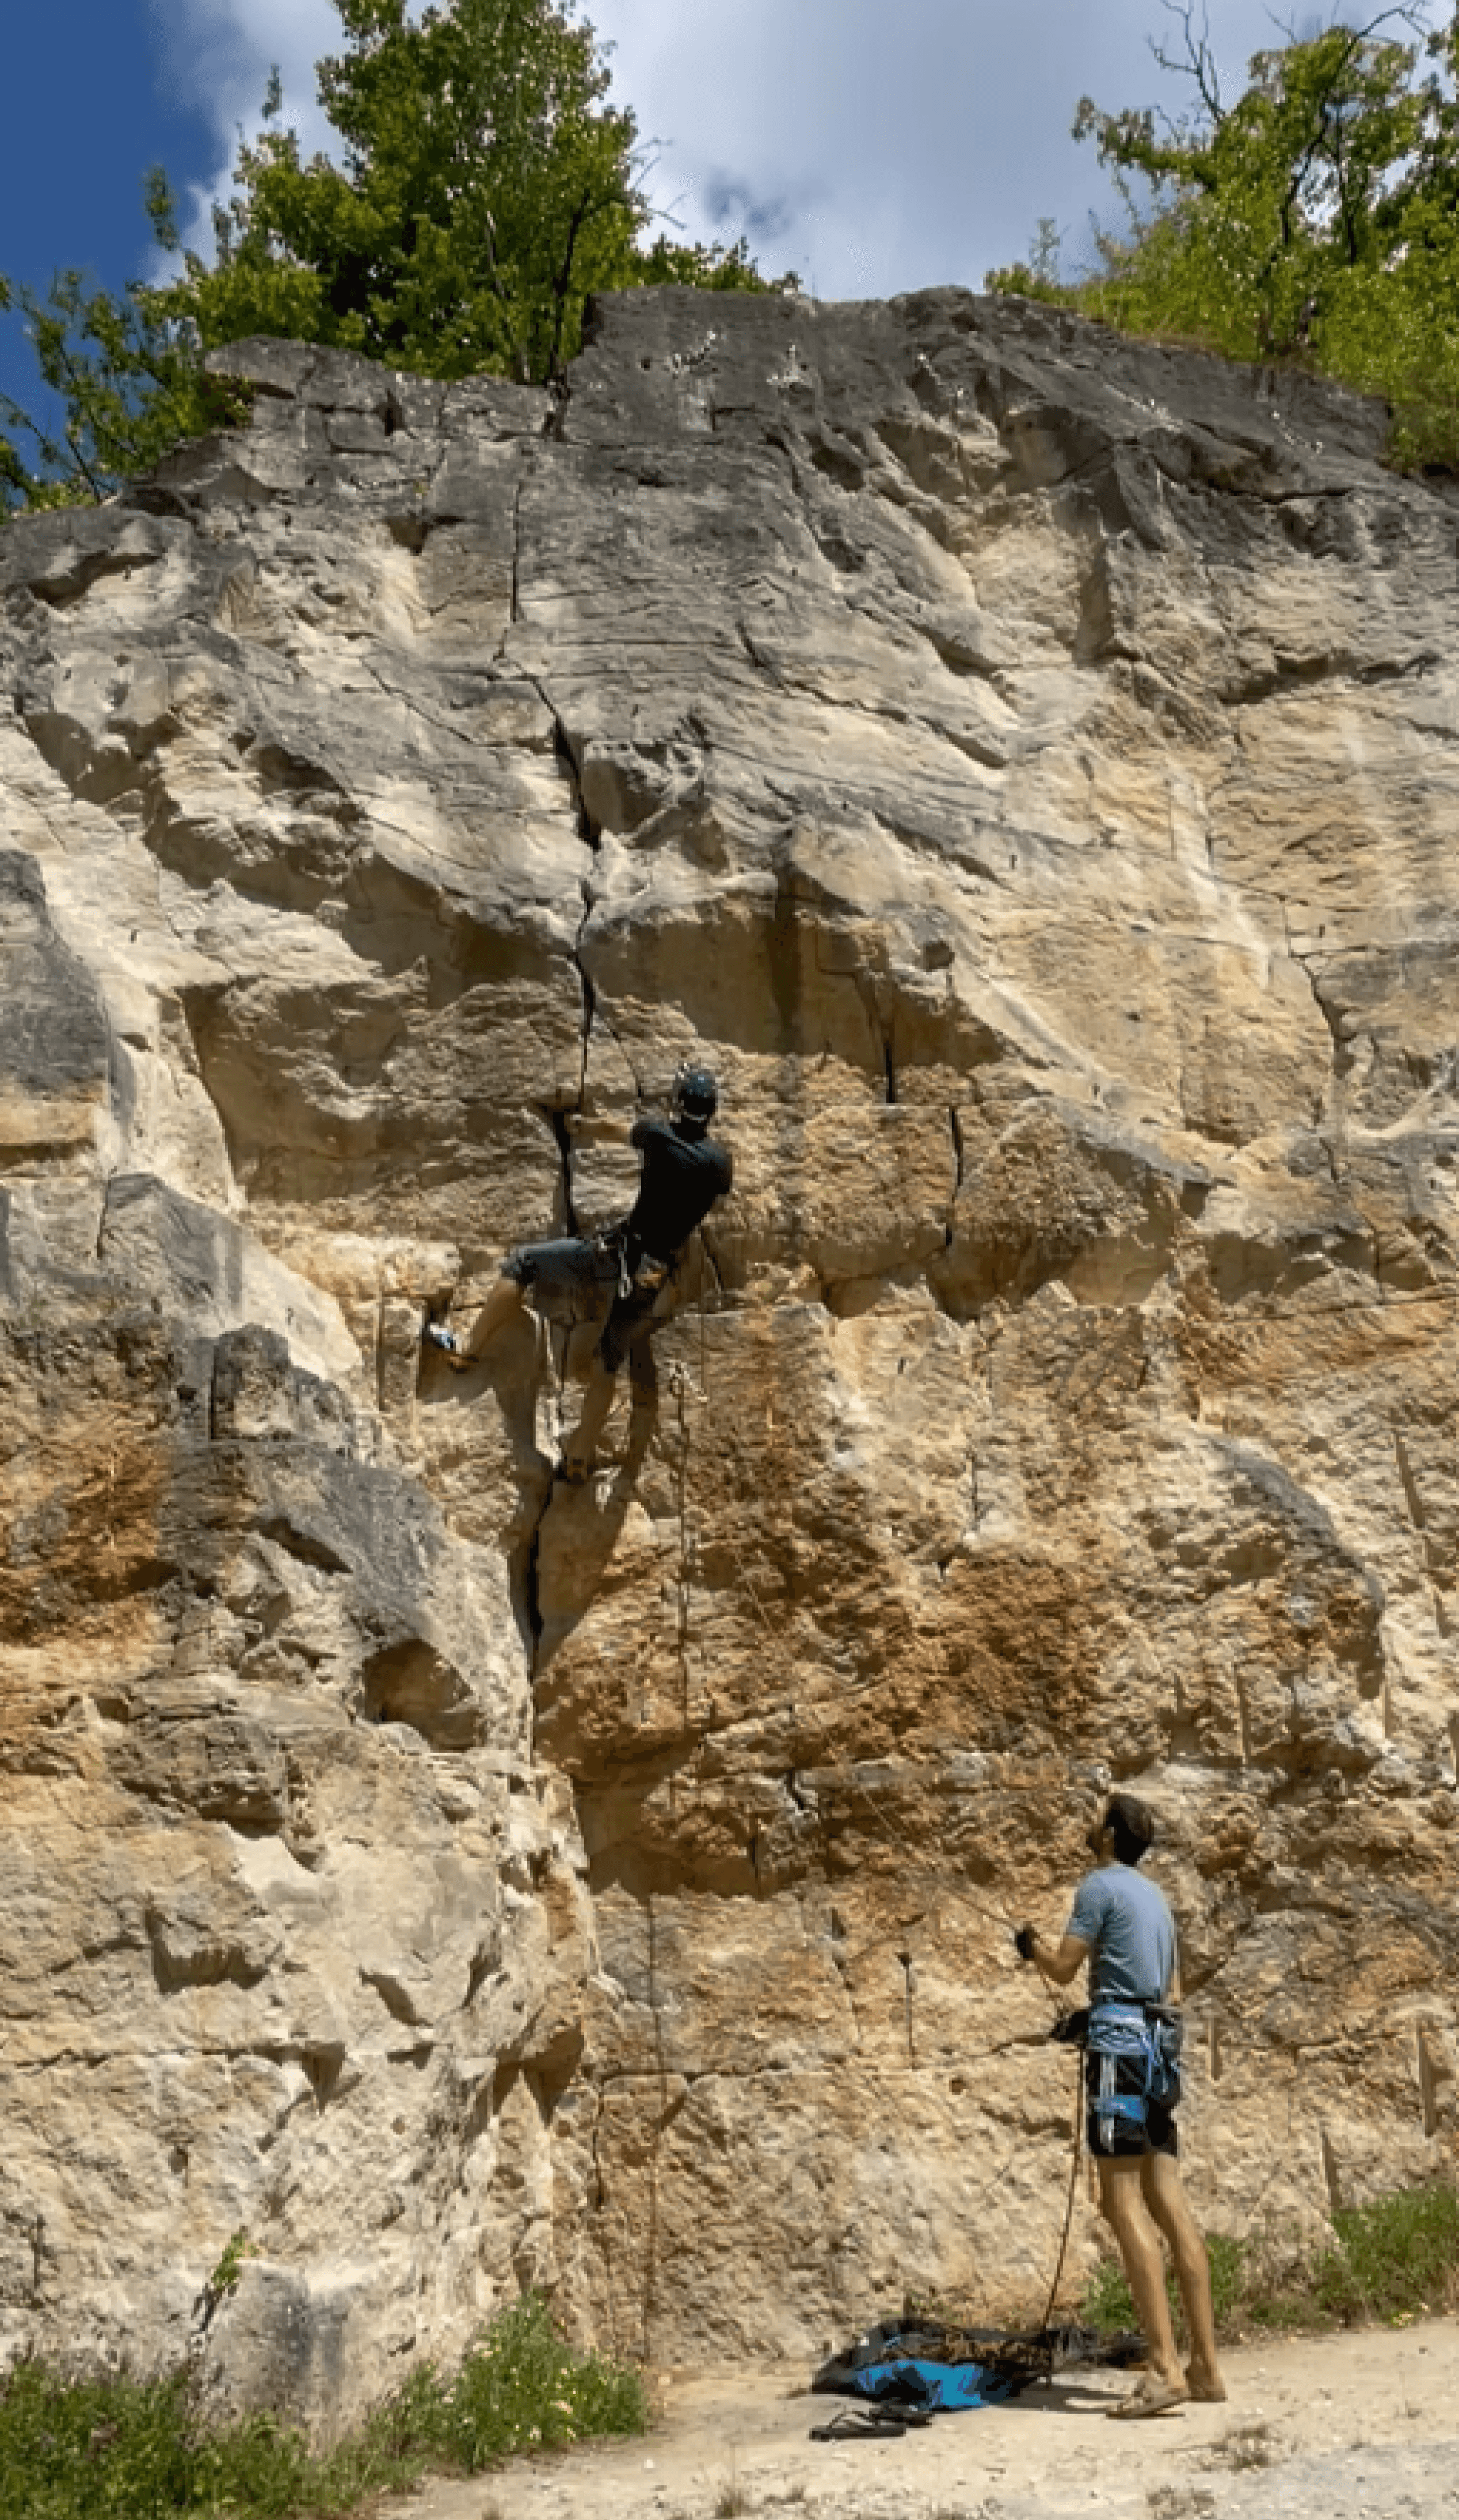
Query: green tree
[
  {"x": 122, "y": 376},
  {"x": 484, "y": 187},
  {"x": 1314, "y": 217}
]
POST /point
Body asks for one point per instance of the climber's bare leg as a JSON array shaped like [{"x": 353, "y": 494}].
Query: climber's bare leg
[
  {"x": 581, "y": 1445},
  {"x": 502, "y": 1305}
]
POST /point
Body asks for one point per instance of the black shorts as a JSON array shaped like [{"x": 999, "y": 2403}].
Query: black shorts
[{"x": 1128, "y": 2138}]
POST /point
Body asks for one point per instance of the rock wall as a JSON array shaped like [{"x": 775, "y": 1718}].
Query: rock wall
[{"x": 1025, "y": 765}]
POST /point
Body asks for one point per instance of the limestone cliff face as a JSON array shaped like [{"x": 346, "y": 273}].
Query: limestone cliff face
[{"x": 1026, "y": 766}]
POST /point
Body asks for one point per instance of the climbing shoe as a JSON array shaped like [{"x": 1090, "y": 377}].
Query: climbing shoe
[{"x": 437, "y": 1334}]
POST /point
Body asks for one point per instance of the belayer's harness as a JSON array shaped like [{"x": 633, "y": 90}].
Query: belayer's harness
[{"x": 1145, "y": 2036}]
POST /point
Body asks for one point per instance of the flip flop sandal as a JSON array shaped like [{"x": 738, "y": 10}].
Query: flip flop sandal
[
  {"x": 857, "y": 2427},
  {"x": 1143, "y": 2403}
]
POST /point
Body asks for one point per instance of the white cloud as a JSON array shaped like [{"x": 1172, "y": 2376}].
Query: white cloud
[
  {"x": 216, "y": 56},
  {"x": 875, "y": 148},
  {"x": 872, "y": 148}
]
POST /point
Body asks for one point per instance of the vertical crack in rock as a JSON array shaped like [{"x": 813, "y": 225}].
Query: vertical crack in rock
[
  {"x": 840, "y": 1962},
  {"x": 1335, "y": 1113},
  {"x": 379, "y": 1353},
  {"x": 529, "y": 1582},
  {"x": 1417, "y": 1514},
  {"x": 595, "y": 2149},
  {"x": 557, "y": 1121},
  {"x": 1428, "y": 2081},
  {"x": 516, "y": 612},
  {"x": 959, "y": 1174},
  {"x": 1243, "y": 1709},
  {"x": 589, "y": 993},
  {"x": 1329, "y": 2170}
]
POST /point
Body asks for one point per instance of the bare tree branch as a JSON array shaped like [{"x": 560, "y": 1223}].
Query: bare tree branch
[{"x": 1200, "y": 63}]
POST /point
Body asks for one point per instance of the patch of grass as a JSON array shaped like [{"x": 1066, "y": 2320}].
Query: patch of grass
[
  {"x": 137, "y": 2450},
  {"x": 1107, "y": 2306},
  {"x": 1396, "y": 2259},
  {"x": 522, "y": 2388}
]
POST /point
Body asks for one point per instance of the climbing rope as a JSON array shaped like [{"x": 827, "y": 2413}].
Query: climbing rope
[{"x": 1068, "y": 2209}]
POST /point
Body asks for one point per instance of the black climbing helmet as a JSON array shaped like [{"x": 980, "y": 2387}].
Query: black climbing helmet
[{"x": 696, "y": 1095}]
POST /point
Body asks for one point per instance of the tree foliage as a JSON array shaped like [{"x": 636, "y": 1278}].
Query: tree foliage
[
  {"x": 483, "y": 188},
  {"x": 1315, "y": 217}
]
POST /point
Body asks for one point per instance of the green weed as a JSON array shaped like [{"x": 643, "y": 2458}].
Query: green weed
[
  {"x": 524, "y": 2389},
  {"x": 1396, "y": 2259},
  {"x": 122, "y": 2449}
]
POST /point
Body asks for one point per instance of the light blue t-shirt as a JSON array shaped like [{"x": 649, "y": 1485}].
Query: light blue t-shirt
[{"x": 1128, "y": 1921}]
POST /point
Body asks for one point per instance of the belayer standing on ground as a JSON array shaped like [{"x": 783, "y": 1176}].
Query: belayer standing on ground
[
  {"x": 1121, "y": 1924},
  {"x": 684, "y": 1171}
]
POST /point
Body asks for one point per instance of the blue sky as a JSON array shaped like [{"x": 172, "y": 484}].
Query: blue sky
[{"x": 871, "y": 147}]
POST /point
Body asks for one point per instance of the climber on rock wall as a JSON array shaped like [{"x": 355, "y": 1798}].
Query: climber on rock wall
[
  {"x": 627, "y": 1266},
  {"x": 1121, "y": 1924}
]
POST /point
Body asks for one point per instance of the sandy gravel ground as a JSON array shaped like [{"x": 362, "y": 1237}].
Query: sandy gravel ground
[{"x": 1342, "y": 2428}]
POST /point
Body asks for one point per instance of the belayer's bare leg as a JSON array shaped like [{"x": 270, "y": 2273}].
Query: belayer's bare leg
[
  {"x": 582, "y": 1442},
  {"x": 1163, "y": 2193},
  {"x": 502, "y": 1305},
  {"x": 1123, "y": 2203}
]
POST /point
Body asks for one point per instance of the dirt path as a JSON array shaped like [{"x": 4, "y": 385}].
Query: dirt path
[{"x": 1341, "y": 2428}]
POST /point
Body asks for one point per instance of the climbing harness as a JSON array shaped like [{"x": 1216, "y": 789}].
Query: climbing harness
[{"x": 1145, "y": 2037}]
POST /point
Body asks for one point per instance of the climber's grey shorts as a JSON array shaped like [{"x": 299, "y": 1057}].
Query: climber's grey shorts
[{"x": 572, "y": 1267}]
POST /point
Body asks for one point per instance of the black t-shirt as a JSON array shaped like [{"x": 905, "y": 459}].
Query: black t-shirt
[{"x": 682, "y": 1177}]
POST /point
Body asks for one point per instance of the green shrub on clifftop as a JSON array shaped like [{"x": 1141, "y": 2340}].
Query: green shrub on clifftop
[
  {"x": 1315, "y": 220},
  {"x": 483, "y": 186}
]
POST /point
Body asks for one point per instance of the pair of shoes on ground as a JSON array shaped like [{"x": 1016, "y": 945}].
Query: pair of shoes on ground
[{"x": 872, "y": 2423}]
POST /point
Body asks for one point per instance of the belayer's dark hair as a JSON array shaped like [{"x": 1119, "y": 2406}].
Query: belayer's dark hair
[{"x": 1133, "y": 1824}]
